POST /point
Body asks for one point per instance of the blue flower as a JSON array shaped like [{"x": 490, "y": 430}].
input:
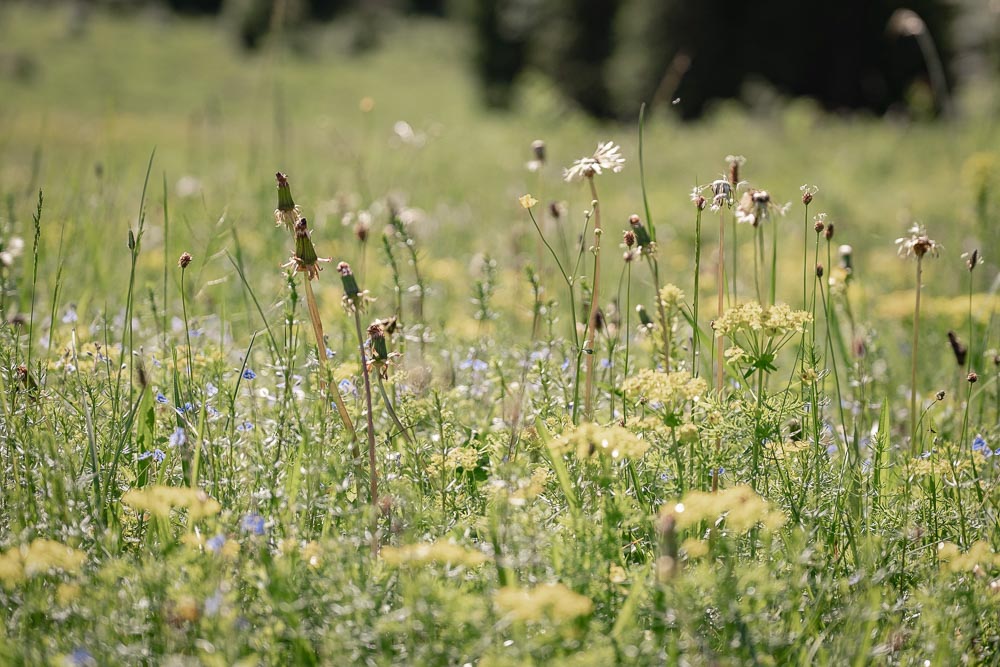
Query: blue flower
[
  {"x": 605, "y": 364},
  {"x": 248, "y": 374},
  {"x": 160, "y": 398},
  {"x": 244, "y": 427},
  {"x": 178, "y": 437},
  {"x": 346, "y": 387},
  {"x": 157, "y": 455},
  {"x": 253, "y": 523},
  {"x": 80, "y": 657},
  {"x": 216, "y": 543},
  {"x": 211, "y": 390},
  {"x": 978, "y": 443}
]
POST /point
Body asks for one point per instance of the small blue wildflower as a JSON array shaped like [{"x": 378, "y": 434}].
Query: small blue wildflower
[
  {"x": 145, "y": 455},
  {"x": 244, "y": 427},
  {"x": 160, "y": 398},
  {"x": 80, "y": 657},
  {"x": 346, "y": 387},
  {"x": 211, "y": 390},
  {"x": 664, "y": 477},
  {"x": 214, "y": 603},
  {"x": 978, "y": 443},
  {"x": 158, "y": 455},
  {"x": 330, "y": 353},
  {"x": 70, "y": 317},
  {"x": 253, "y": 523},
  {"x": 212, "y": 412},
  {"x": 605, "y": 364},
  {"x": 565, "y": 365},
  {"x": 831, "y": 450},
  {"x": 178, "y": 437},
  {"x": 926, "y": 455},
  {"x": 216, "y": 543},
  {"x": 248, "y": 374},
  {"x": 987, "y": 452}
]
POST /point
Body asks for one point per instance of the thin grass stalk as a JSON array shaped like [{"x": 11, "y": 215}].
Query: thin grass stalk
[
  {"x": 696, "y": 343},
  {"x": 392, "y": 412},
  {"x": 720, "y": 307}
]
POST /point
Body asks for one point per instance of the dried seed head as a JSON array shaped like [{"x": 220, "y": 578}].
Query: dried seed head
[
  {"x": 641, "y": 235},
  {"x": 389, "y": 325},
  {"x": 818, "y": 226},
  {"x": 287, "y": 213},
  {"x": 538, "y": 149},
  {"x": 940, "y": 395},
  {"x": 973, "y": 377},
  {"x": 819, "y": 270},
  {"x": 972, "y": 260},
  {"x": 961, "y": 352},
  {"x": 735, "y": 162},
  {"x": 699, "y": 202},
  {"x": 184, "y": 260},
  {"x": 807, "y": 197},
  {"x": 555, "y": 210},
  {"x": 629, "y": 238},
  {"x": 361, "y": 231},
  {"x": 828, "y": 232},
  {"x": 380, "y": 351}
]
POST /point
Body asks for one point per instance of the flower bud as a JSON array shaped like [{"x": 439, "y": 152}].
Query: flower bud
[
  {"x": 351, "y": 288},
  {"x": 629, "y": 238},
  {"x": 828, "y": 234},
  {"x": 973, "y": 377},
  {"x": 184, "y": 260}
]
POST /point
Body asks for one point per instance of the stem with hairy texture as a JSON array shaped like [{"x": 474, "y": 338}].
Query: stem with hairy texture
[
  {"x": 588, "y": 345},
  {"x": 372, "y": 474},
  {"x": 913, "y": 368},
  {"x": 721, "y": 288},
  {"x": 317, "y": 324}
]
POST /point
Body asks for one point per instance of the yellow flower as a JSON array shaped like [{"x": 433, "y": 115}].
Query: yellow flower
[
  {"x": 553, "y": 602},
  {"x": 739, "y": 507},
  {"x": 671, "y": 297},
  {"x": 977, "y": 559},
  {"x": 527, "y": 201},
  {"x": 589, "y": 440},
  {"x": 159, "y": 500},
  {"x": 429, "y": 553},
  {"x": 39, "y": 557}
]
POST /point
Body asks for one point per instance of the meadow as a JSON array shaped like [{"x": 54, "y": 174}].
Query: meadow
[{"x": 439, "y": 447}]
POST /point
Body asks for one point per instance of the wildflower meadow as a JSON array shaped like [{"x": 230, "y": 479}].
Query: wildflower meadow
[{"x": 315, "y": 361}]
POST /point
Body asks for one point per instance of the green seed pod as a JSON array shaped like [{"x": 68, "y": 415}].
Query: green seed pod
[
  {"x": 351, "y": 288},
  {"x": 304, "y": 249},
  {"x": 285, "y": 201}
]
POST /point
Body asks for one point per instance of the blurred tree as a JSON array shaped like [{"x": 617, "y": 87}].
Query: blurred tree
[{"x": 503, "y": 29}]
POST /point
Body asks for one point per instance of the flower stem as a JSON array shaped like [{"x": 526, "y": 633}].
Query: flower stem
[
  {"x": 391, "y": 411},
  {"x": 588, "y": 346},
  {"x": 697, "y": 293},
  {"x": 913, "y": 368},
  {"x": 372, "y": 473}
]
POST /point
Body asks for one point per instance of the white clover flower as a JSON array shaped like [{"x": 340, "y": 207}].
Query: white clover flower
[{"x": 607, "y": 157}]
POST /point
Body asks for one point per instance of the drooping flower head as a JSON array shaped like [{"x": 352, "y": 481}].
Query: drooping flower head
[
  {"x": 607, "y": 157},
  {"x": 756, "y": 206}
]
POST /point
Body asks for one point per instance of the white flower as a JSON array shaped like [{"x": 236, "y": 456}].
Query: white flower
[
  {"x": 608, "y": 156},
  {"x": 756, "y": 207},
  {"x": 917, "y": 244}
]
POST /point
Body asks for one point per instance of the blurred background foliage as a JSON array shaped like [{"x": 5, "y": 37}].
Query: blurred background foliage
[{"x": 609, "y": 56}]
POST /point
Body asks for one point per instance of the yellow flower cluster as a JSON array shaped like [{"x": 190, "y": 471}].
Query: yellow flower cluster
[
  {"x": 429, "y": 553},
  {"x": 775, "y": 320},
  {"x": 552, "y": 602},
  {"x": 782, "y": 449},
  {"x": 466, "y": 458},
  {"x": 667, "y": 388},
  {"x": 979, "y": 558},
  {"x": 671, "y": 297},
  {"x": 159, "y": 500},
  {"x": 39, "y": 557},
  {"x": 739, "y": 507},
  {"x": 590, "y": 440}
]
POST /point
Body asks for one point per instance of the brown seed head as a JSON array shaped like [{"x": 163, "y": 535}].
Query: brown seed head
[
  {"x": 940, "y": 395},
  {"x": 184, "y": 260},
  {"x": 960, "y": 351},
  {"x": 538, "y": 148},
  {"x": 828, "y": 233},
  {"x": 807, "y": 197},
  {"x": 973, "y": 377},
  {"x": 634, "y": 220},
  {"x": 344, "y": 269},
  {"x": 819, "y": 226},
  {"x": 922, "y": 246},
  {"x": 376, "y": 331},
  {"x": 819, "y": 270},
  {"x": 281, "y": 178},
  {"x": 629, "y": 238},
  {"x": 700, "y": 203},
  {"x": 972, "y": 260}
]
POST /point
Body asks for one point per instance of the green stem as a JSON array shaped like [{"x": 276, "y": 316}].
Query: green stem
[{"x": 913, "y": 368}]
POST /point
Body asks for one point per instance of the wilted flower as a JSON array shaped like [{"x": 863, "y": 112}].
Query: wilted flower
[
  {"x": 917, "y": 244},
  {"x": 722, "y": 193},
  {"x": 305, "y": 258},
  {"x": 608, "y": 156},
  {"x": 697, "y": 198},
  {"x": 756, "y": 206},
  {"x": 287, "y": 213}
]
